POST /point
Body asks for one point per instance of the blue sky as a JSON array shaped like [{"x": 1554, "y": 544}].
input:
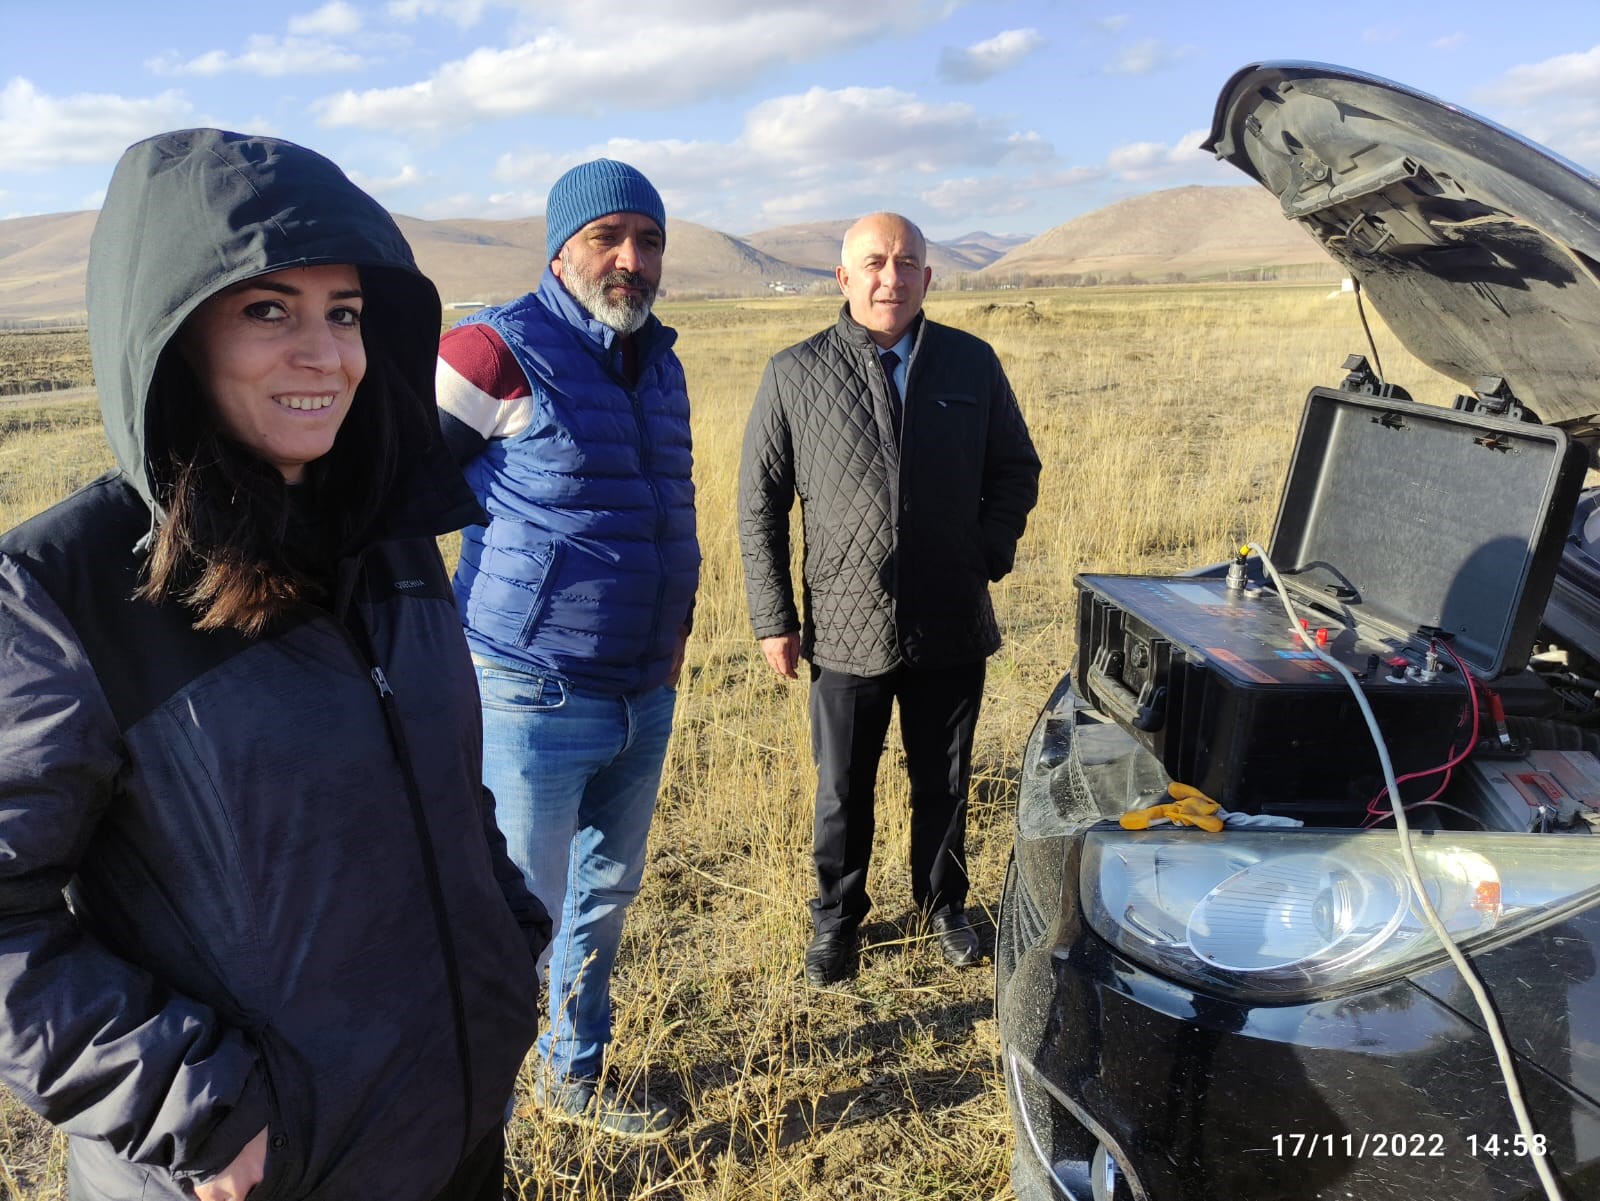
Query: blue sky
[{"x": 1003, "y": 115}]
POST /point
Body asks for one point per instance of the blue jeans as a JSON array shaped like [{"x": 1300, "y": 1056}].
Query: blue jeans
[{"x": 575, "y": 777}]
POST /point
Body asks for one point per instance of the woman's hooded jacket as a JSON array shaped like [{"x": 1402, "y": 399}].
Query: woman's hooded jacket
[{"x": 251, "y": 882}]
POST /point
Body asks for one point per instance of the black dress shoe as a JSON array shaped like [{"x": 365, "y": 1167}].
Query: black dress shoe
[
  {"x": 958, "y": 941},
  {"x": 831, "y": 957}
]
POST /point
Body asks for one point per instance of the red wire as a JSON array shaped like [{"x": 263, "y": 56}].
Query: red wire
[{"x": 1375, "y": 813}]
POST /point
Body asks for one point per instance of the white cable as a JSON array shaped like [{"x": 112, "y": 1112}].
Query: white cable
[{"x": 1491, "y": 1020}]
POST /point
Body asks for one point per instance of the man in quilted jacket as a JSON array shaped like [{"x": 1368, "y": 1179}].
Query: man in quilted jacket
[{"x": 915, "y": 474}]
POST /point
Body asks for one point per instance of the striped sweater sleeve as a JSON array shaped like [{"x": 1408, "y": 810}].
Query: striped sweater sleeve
[{"x": 482, "y": 391}]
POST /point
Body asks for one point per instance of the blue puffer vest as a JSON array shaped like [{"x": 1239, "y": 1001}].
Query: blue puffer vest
[{"x": 589, "y": 564}]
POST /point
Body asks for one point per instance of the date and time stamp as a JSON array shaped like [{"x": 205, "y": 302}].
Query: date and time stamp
[{"x": 1393, "y": 1145}]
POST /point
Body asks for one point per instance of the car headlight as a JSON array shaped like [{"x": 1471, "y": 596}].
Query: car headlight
[{"x": 1290, "y": 915}]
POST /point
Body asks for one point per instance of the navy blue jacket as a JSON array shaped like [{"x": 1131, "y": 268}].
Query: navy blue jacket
[{"x": 290, "y": 906}]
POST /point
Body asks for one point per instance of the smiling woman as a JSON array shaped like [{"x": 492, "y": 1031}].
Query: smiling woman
[
  {"x": 250, "y": 882},
  {"x": 280, "y": 356},
  {"x": 258, "y": 383}
]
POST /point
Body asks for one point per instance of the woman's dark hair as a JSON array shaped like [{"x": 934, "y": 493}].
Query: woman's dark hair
[{"x": 231, "y": 547}]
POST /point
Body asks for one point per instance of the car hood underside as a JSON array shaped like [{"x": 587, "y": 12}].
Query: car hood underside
[{"x": 1480, "y": 248}]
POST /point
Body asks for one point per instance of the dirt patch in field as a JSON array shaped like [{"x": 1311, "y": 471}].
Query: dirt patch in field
[{"x": 49, "y": 361}]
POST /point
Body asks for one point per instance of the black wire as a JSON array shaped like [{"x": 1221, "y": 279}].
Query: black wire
[{"x": 1372, "y": 344}]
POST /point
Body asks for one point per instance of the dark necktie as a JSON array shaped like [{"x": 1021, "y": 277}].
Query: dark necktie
[{"x": 890, "y": 361}]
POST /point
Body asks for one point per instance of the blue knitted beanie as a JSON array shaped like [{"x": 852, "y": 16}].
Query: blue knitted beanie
[{"x": 596, "y": 189}]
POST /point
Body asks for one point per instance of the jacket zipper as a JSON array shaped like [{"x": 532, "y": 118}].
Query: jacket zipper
[
  {"x": 360, "y": 643},
  {"x": 661, "y": 512}
]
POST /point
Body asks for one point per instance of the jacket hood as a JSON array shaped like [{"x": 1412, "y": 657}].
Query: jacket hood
[
  {"x": 1479, "y": 247},
  {"x": 195, "y": 211}
]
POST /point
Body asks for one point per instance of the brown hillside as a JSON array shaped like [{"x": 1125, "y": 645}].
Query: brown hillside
[
  {"x": 701, "y": 260},
  {"x": 990, "y": 244},
  {"x": 42, "y": 262},
  {"x": 471, "y": 259},
  {"x": 489, "y": 261},
  {"x": 812, "y": 244},
  {"x": 1196, "y": 231}
]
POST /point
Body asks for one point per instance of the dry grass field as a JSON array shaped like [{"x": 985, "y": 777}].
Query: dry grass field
[
  {"x": 1164, "y": 418},
  {"x": 43, "y": 361}
]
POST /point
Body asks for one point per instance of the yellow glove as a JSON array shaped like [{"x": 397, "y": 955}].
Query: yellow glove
[
  {"x": 1189, "y": 807},
  {"x": 1196, "y": 811}
]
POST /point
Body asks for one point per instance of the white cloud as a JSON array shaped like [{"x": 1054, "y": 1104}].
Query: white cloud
[
  {"x": 1555, "y": 102},
  {"x": 465, "y": 13},
  {"x": 317, "y": 43},
  {"x": 1144, "y": 57},
  {"x": 885, "y": 128},
  {"x": 1577, "y": 137},
  {"x": 266, "y": 55},
  {"x": 971, "y": 197},
  {"x": 459, "y": 204},
  {"x": 1151, "y": 162},
  {"x": 1112, "y": 24},
  {"x": 39, "y": 132},
  {"x": 685, "y": 173},
  {"x": 405, "y": 177},
  {"x": 658, "y": 57},
  {"x": 1450, "y": 41},
  {"x": 1565, "y": 75},
  {"x": 335, "y": 19},
  {"x": 1570, "y": 126},
  {"x": 990, "y": 57},
  {"x": 262, "y": 126},
  {"x": 834, "y": 151}
]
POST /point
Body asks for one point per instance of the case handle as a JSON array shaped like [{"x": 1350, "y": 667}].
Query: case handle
[{"x": 1145, "y": 710}]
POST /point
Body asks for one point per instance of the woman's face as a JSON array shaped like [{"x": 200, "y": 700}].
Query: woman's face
[{"x": 279, "y": 357}]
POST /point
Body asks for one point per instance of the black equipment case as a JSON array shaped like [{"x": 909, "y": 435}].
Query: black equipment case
[{"x": 1403, "y": 529}]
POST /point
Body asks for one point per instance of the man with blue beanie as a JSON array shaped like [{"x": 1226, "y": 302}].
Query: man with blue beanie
[{"x": 568, "y": 412}]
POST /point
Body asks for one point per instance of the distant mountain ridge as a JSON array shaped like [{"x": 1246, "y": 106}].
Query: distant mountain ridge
[
  {"x": 1195, "y": 232},
  {"x": 479, "y": 259},
  {"x": 816, "y": 245}
]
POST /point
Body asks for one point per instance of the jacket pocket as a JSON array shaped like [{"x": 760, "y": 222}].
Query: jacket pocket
[
  {"x": 819, "y": 563},
  {"x": 512, "y": 593}
]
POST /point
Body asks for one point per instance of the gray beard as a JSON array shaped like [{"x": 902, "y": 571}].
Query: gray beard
[{"x": 626, "y": 316}]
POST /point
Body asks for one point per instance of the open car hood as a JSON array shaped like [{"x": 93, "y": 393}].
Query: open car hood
[{"x": 1480, "y": 248}]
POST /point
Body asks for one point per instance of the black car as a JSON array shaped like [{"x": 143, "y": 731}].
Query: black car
[{"x": 1262, "y": 1012}]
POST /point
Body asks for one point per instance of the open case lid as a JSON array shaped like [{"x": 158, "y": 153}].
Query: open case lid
[{"x": 1416, "y": 518}]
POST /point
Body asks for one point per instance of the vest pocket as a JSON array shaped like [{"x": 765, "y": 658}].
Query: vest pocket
[
  {"x": 541, "y": 595},
  {"x": 512, "y": 593}
]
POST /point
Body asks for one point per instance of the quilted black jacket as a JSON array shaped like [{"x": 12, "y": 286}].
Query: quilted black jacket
[{"x": 901, "y": 537}]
